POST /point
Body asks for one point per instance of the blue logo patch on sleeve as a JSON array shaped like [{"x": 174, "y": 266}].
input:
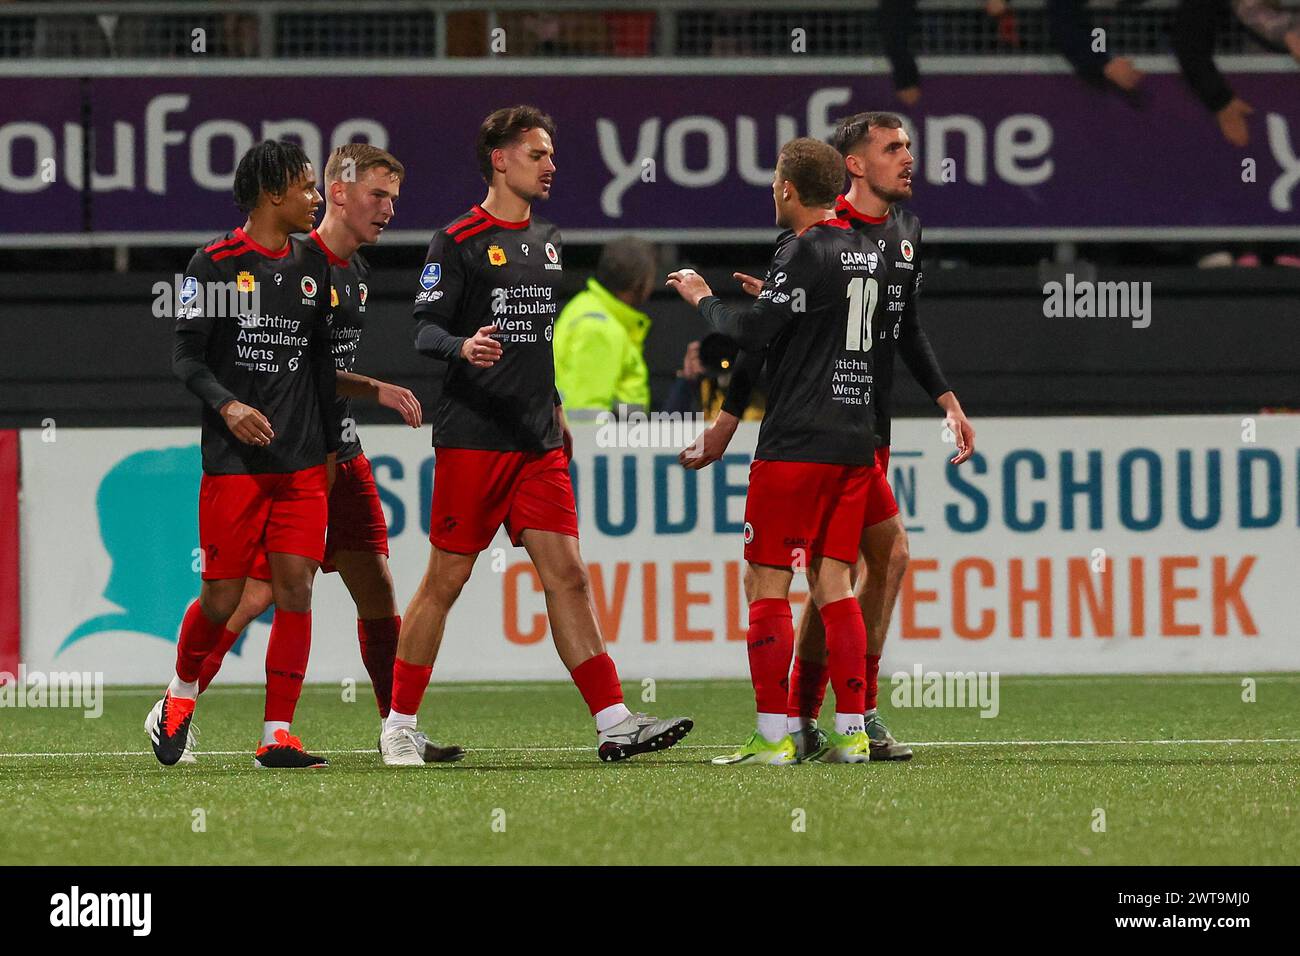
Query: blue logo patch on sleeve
[
  {"x": 189, "y": 290},
  {"x": 431, "y": 275}
]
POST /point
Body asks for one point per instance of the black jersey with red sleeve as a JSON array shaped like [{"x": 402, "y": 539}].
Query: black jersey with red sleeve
[
  {"x": 813, "y": 317},
  {"x": 898, "y": 237},
  {"x": 349, "y": 290},
  {"x": 253, "y": 326},
  {"x": 483, "y": 271}
]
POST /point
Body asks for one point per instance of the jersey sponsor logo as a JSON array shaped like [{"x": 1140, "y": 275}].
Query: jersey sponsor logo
[
  {"x": 433, "y": 295},
  {"x": 524, "y": 247},
  {"x": 551, "y": 253},
  {"x": 431, "y": 275},
  {"x": 907, "y": 250},
  {"x": 334, "y": 297},
  {"x": 496, "y": 255},
  {"x": 859, "y": 260},
  {"x": 778, "y": 278},
  {"x": 244, "y": 282},
  {"x": 308, "y": 285},
  {"x": 361, "y": 288},
  {"x": 189, "y": 290},
  {"x": 278, "y": 278},
  {"x": 881, "y": 244}
]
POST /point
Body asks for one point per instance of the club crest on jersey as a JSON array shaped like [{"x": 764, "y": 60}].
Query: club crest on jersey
[
  {"x": 363, "y": 291},
  {"x": 906, "y": 247},
  {"x": 244, "y": 282},
  {"x": 334, "y": 297},
  {"x": 308, "y": 287},
  {"x": 551, "y": 253},
  {"x": 431, "y": 275},
  {"x": 496, "y": 255},
  {"x": 749, "y": 533}
]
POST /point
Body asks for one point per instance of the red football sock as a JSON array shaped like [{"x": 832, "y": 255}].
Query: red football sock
[
  {"x": 771, "y": 645},
  {"x": 873, "y": 680},
  {"x": 286, "y": 662},
  {"x": 410, "y": 681},
  {"x": 212, "y": 663},
  {"x": 597, "y": 681},
  {"x": 198, "y": 637},
  {"x": 378, "y": 638},
  {"x": 846, "y": 644},
  {"x": 807, "y": 688}
]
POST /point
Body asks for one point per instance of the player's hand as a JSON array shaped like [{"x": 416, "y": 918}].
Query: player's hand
[
  {"x": 1292, "y": 40},
  {"x": 331, "y": 467},
  {"x": 909, "y": 95},
  {"x": 480, "y": 349},
  {"x": 690, "y": 285},
  {"x": 247, "y": 424},
  {"x": 566, "y": 436},
  {"x": 751, "y": 285},
  {"x": 1123, "y": 73},
  {"x": 711, "y": 445},
  {"x": 963, "y": 433},
  {"x": 401, "y": 400},
  {"x": 1232, "y": 121}
]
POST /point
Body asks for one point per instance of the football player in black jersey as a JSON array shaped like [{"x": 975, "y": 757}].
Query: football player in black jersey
[
  {"x": 362, "y": 183},
  {"x": 879, "y": 164},
  {"x": 260, "y": 361},
  {"x": 486, "y": 305},
  {"x": 806, "y": 504}
]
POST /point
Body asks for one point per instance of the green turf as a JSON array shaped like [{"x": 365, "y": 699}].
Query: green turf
[{"x": 1198, "y": 803}]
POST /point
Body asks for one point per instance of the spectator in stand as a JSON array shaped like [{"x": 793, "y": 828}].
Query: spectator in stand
[{"x": 1074, "y": 33}]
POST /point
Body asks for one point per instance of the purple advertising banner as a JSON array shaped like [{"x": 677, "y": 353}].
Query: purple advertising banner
[{"x": 998, "y": 156}]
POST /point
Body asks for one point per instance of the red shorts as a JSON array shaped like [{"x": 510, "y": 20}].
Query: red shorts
[
  {"x": 798, "y": 510},
  {"x": 243, "y": 516},
  {"x": 356, "y": 516},
  {"x": 474, "y": 491},
  {"x": 881, "y": 505}
]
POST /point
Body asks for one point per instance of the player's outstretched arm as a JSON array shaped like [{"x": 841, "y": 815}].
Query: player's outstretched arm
[{"x": 401, "y": 400}]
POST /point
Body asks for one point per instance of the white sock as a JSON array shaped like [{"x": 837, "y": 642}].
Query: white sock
[
  {"x": 270, "y": 727},
  {"x": 396, "y": 720},
  {"x": 849, "y": 723},
  {"x": 611, "y": 716},
  {"x": 184, "y": 688},
  {"x": 796, "y": 724},
  {"x": 772, "y": 727}
]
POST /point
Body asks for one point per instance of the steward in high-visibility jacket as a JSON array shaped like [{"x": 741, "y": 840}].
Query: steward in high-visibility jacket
[{"x": 600, "y": 334}]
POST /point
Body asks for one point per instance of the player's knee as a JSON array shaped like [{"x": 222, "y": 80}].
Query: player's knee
[
  {"x": 751, "y": 584},
  {"x": 219, "y": 602},
  {"x": 899, "y": 556},
  {"x": 569, "y": 579},
  {"x": 294, "y": 594}
]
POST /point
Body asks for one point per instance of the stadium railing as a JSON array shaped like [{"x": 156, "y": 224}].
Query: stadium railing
[{"x": 422, "y": 29}]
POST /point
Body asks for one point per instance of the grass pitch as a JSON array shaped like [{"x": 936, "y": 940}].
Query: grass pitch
[{"x": 1184, "y": 771}]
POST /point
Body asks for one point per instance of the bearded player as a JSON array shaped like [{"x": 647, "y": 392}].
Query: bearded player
[
  {"x": 487, "y": 304},
  {"x": 879, "y": 162},
  {"x": 362, "y": 184}
]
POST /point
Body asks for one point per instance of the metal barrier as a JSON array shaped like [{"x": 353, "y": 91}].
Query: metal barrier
[{"x": 421, "y": 29}]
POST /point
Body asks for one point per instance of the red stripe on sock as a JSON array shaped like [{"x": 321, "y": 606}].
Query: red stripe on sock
[
  {"x": 846, "y": 647},
  {"x": 597, "y": 680},
  {"x": 410, "y": 681},
  {"x": 770, "y": 640},
  {"x": 378, "y": 639},
  {"x": 286, "y": 662}
]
